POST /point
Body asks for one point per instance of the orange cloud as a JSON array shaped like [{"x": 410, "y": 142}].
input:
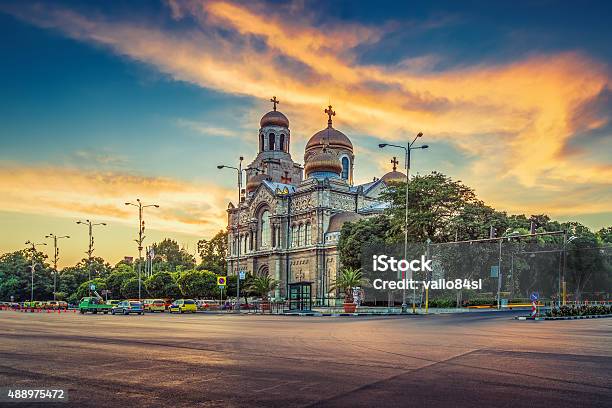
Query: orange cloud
[
  {"x": 197, "y": 209},
  {"x": 514, "y": 119}
]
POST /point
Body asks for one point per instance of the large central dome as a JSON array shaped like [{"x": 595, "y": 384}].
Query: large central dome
[{"x": 329, "y": 136}]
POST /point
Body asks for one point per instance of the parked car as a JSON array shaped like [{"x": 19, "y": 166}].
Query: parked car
[
  {"x": 112, "y": 302},
  {"x": 207, "y": 304},
  {"x": 183, "y": 306},
  {"x": 55, "y": 305},
  {"x": 128, "y": 306},
  {"x": 154, "y": 305}
]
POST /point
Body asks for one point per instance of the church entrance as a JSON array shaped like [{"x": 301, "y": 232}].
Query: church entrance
[{"x": 300, "y": 298}]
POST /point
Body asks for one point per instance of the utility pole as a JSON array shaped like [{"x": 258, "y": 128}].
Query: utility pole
[
  {"x": 33, "y": 266},
  {"x": 90, "y": 247},
  {"x": 141, "y": 237},
  {"x": 55, "y": 259}
]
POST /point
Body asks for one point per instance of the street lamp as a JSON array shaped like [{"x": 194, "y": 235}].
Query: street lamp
[
  {"x": 141, "y": 237},
  {"x": 33, "y": 249},
  {"x": 407, "y": 149},
  {"x": 90, "y": 248},
  {"x": 55, "y": 258},
  {"x": 565, "y": 242}
]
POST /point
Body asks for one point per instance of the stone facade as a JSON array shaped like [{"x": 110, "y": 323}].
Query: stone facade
[{"x": 287, "y": 224}]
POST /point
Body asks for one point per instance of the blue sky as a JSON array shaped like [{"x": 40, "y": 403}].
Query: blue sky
[{"x": 105, "y": 102}]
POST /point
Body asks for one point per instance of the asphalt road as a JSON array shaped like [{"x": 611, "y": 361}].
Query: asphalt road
[{"x": 200, "y": 360}]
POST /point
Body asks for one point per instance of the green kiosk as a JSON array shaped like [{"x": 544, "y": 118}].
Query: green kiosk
[{"x": 300, "y": 296}]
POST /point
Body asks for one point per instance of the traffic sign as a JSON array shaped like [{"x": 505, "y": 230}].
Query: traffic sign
[
  {"x": 495, "y": 271},
  {"x": 92, "y": 286},
  {"x": 221, "y": 281},
  {"x": 242, "y": 275},
  {"x": 535, "y": 296}
]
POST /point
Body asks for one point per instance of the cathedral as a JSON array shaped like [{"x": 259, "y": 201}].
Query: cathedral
[{"x": 289, "y": 217}]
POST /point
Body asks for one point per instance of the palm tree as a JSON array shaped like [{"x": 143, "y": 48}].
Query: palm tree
[
  {"x": 262, "y": 285},
  {"x": 349, "y": 278}
]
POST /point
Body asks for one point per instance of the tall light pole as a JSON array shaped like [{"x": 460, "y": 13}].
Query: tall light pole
[
  {"x": 565, "y": 242},
  {"x": 407, "y": 149},
  {"x": 33, "y": 249},
  {"x": 239, "y": 173},
  {"x": 141, "y": 237},
  {"x": 55, "y": 259},
  {"x": 90, "y": 224}
]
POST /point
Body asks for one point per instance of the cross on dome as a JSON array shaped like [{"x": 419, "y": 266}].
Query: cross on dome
[
  {"x": 395, "y": 163},
  {"x": 330, "y": 113},
  {"x": 274, "y": 101}
]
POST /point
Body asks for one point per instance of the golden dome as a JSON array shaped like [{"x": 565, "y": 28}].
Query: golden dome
[
  {"x": 394, "y": 177},
  {"x": 255, "y": 181},
  {"x": 274, "y": 118},
  {"x": 323, "y": 161},
  {"x": 335, "y": 138}
]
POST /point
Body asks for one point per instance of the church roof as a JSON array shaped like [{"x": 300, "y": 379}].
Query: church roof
[
  {"x": 329, "y": 136},
  {"x": 274, "y": 118},
  {"x": 282, "y": 187},
  {"x": 337, "y": 220}
]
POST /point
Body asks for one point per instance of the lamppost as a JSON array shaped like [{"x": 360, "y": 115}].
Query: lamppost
[
  {"x": 90, "y": 248},
  {"x": 141, "y": 237},
  {"x": 55, "y": 258},
  {"x": 565, "y": 242},
  {"x": 407, "y": 149},
  {"x": 33, "y": 249}
]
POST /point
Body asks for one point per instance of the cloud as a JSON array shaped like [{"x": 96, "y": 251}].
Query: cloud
[
  {"x": 191, "y": 208},
  {"x": 515, "y": 119}
]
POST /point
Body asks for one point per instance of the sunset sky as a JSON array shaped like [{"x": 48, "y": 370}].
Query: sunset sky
[{"x": 104, "y": 103}]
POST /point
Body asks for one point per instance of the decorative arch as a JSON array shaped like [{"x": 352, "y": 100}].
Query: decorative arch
[
  {"x": 271, "y": 141},
  {"x": 281, "y": 146},
  {"x": 261, "y": 142},
  {"x": 263, "y": 271},
  {"x": 265, "y": 228},
  {"x": 346, "y": 167}
]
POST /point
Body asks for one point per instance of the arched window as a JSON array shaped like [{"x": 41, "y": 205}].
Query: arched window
[
  {"x": 345, "y": 168},
  {"x": 282, "y": 143},
  {"x": 245, "y": 244},
  {"x": 261, "y": 142},
  {"x": 271, "y": 139},
  {"x": 307, "y": 235},
  {"x": 265, "y": 229},
  {"x": 300, "y": 233}
]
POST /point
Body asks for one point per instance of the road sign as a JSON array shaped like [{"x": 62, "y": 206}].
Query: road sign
[
  {"x": 92, "y": 287},
  {"x": 495, "y": 271},
  {"x": 221, "y": 281},
  {"x": 535, "y": 296},
  {"x": 242, "y": 275}
]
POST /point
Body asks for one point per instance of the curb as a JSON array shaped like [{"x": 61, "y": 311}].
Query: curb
[{"x": 563, "y": 317}]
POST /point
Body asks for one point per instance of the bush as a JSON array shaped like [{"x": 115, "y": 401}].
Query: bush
[
  {"x": 444, "y": 303},
  {"x": 582, "y": 310}
]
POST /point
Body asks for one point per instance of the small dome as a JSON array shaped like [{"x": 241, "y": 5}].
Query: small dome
[
  {"x": 255, "y": 181},
  {"x": 274, "y": 118},
  {"x": 335, "y": 138},
  {"x": 323, "y": 162},
  {"x": 337, "y": 220},
  {"x": 394, "y": 177}
]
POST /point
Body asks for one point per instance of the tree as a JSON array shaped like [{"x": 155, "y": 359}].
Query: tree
[
  {"x": 213, "y": 253},
  {"x": 16, "y": 276},
  {"x": 69, "y": 280},
  {"x": 129, "y": 288},
  {"x": 170, "y": 257},
  {"x": 348, "y": 279},
  {"x": 605, "y": 235},
  {"x": 262, "y": 286},
  {"x": 355, "y": 235},
  {"x": 198, "y": 284},
  {"x": 118, "y": 277},
  {"x": 84, "y": 291},
  {"x": 162, "y": 285}
]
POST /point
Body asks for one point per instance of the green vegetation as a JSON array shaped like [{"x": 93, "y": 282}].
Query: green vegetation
[
  {"x": 349, "y": 278},
  {"x": 262, "y": 286}
]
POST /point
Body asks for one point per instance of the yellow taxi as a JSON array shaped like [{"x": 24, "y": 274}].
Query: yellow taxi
[
  {"x": 183, "y": 306},
  {"x": 154, "y": 305}
]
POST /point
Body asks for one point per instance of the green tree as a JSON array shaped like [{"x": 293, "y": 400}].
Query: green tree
[
  {"x": 355, "y": 235},
  {"x": 213, "y": 253},
  {"x": 605, "y": 235},
  {"x": 84, "y": 290},
  {"x": 198, "y": 284},
  {"x": 162, "y": 285},
  {"x": 348, "y": 279},
  {"x": 262, "y": 286},
  {"x": 16, "y": 276},
  {"x": 118, "y": 277},
  {"x": 170, "y": 257},
  {"x": 129, "y": 288}
]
